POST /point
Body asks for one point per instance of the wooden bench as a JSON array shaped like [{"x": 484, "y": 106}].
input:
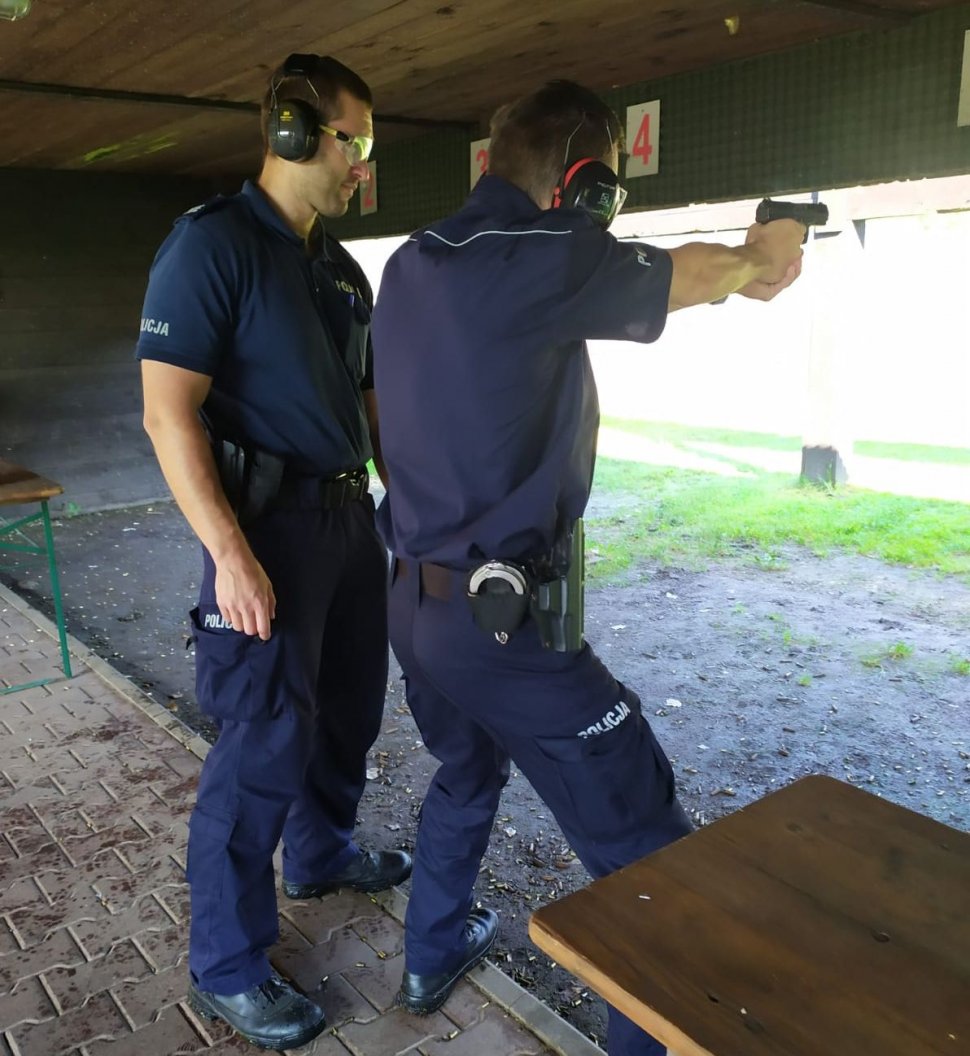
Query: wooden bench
[
  {"x": 20, "y": 487},
  {"x": 820, "y": 919}
]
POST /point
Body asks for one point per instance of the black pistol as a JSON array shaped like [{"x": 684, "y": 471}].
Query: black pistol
[{"x": 810, "y": 214}]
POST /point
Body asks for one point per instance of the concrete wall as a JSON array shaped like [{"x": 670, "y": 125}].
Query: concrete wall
[{"x": 74, "y": 256}]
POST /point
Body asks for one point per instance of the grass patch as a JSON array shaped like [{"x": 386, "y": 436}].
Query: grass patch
[
  {"x": 676, "y": 516},
  {"x": 673, "y": 433},
  {"x": 914, "y": 452},
  {"x": 684, "y": 435},
  {"x": 894, "y": 653},
  {"x": 960, "y": 665}
]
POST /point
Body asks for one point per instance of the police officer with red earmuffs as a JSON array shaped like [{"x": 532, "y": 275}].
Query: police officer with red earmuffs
[
  {"x": 489, "y": 418},
  {"x": 257, "y": 373}
]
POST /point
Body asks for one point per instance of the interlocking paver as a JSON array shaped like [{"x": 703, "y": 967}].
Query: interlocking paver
[
  {"x": 467, "y": 1005},
  {"x": 396, "y": 1032},
  {"x": 379, "y": 982},
  {"x": 143, "y": 999},
  {"x": 59, "y": 950},
  {"x": 148, "y": 854},
  {"x": 99, "y": 1018},
  {"x": 50, "y": 856},
  {"x": 119, "y": 893},
  {"x": 80, "y": 848},
  {"x": 344, "y": 949},
  {"x": 170, "y": 1034},
  {"x": 383, "y": 934},
  {"x": 28, "y": 840},
  {"x": 71, "y": 884},
  {"x": 73, "y": 986},
  {"x": 99, "y": 934},
  {"x": 29, "y": 1003},
  {"x": 342, "y": 1003},
  {"x": 497, "y": 1032},
  {"x": 20, "y": 894},
  {"x": 95, "y": 799},
  {"x": 317, "y": 918},
  {"x": 174, "y": 898},
  {"x": 166, "y": 947},
  {"x": 183, "y": 764},
  {"x": 8, "y": 944}
]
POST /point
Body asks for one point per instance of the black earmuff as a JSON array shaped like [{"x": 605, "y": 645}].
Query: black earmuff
[
  {"x": 293, "y": 125},
  {"x": 592, "y": 186}
]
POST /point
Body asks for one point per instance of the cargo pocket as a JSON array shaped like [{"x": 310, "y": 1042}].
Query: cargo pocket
[
  {"x": 614, "y": 783},
  {"x": 231, "y": 670}
]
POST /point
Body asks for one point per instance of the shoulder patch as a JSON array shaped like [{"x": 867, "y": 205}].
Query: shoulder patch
[{"x": 213, "y": 205}]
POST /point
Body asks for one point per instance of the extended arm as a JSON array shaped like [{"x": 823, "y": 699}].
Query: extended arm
[
  {"x": 768, "y": 262},
  {"x": 173, "y": 397}
]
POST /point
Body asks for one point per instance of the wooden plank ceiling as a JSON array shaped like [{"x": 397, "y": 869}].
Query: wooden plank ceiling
[{"x": 426, "y": 61}]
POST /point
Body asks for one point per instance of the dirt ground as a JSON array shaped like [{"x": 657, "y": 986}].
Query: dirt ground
[{"x": 750, "y": 677}]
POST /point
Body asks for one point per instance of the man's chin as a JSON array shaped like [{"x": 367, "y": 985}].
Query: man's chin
[{"x": 335, "y": 209}]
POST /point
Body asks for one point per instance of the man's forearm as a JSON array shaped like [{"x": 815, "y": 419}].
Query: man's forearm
[
  {"x": 185, "y": 457},
  {"x": 705, "y": 272}
]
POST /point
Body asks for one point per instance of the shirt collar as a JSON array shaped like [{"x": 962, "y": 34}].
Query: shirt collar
[
  {"x": 498, "y": 195},
  {"x": 265, "y": 212}
]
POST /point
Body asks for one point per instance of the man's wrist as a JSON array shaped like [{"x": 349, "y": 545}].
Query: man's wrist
[{"x": 232, "y": 549}]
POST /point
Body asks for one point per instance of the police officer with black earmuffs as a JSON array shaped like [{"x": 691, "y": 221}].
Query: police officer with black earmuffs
[
  {"x": 489, "y": 418},
  {"x": 257, "y": 374}
]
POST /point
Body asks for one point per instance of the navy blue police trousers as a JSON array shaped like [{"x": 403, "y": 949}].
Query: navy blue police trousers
[
  {"x": 297, "y": 715},
  {"x": 576, "y": 734}
]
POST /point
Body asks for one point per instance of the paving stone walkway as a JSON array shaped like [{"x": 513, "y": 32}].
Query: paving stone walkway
[{"x": 96, "y": 786}]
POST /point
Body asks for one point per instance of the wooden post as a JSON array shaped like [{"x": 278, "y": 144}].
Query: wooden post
[{"x": 834, "y": 263}]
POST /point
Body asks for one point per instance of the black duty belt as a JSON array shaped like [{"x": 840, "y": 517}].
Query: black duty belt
[
  {"x": 502, "y": 595},
  {"x": 323, "y": 493}
]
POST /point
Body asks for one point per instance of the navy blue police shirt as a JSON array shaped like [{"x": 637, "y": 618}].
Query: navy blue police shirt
[
  {"x": 488, "y": 407},
  {"x": 285, "y": 337}
]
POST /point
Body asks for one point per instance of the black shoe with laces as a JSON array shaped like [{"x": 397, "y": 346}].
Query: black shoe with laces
[
  {"x": 370, "y": 871},
  {"x": 424, "y": 994},
  {"x": 271, "y": 1015}
]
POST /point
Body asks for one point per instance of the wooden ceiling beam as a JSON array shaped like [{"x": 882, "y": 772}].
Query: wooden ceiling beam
[
  {"x": 870, "y": 10},
  {"x": 197, "y": 102}
]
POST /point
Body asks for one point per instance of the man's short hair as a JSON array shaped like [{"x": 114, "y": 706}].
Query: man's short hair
[
  {"x": 328, "y": 76},
  {"x": 530, "y": 136}
]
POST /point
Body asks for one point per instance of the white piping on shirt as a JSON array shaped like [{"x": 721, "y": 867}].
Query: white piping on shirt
[{"x": 457, "y": 245}]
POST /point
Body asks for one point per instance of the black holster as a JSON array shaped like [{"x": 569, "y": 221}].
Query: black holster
[
  {"x": 558, "y": 602},
  {"x": 250, "y": 478}
]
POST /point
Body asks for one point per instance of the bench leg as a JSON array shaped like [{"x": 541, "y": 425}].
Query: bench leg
[{"x": 56, "y": 590}]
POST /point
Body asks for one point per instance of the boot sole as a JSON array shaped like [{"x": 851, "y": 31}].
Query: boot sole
[
  {"x": 364, "y": 889},
  {"x": 425, "y": 1006},
  {"x": 200, "y": 1008}
]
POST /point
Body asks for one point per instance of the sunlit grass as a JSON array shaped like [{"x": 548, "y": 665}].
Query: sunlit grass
[
  {"x": 685, "y": 435},
  {"x": 685, "y": 517}
]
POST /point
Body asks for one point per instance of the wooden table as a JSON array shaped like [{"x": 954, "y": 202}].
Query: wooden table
[
  {"x": 818, "y": 921},
  {"x": 19, "y": 487}
]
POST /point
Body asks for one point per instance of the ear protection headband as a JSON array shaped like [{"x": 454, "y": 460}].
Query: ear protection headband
[
  {"x": 589, "y": 185},
  {"x": 293, "y": 125}
]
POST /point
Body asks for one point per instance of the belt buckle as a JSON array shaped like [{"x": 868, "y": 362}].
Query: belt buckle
[{"x": 343, "y": 488}]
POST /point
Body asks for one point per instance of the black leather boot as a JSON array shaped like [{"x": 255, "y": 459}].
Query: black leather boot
[
  {"x": 271, "y": 1015},
  {"x": 424, "y": 994},
  {"x": 370, "y": 871}
]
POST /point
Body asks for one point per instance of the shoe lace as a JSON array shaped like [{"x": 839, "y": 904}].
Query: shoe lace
[{"x": 269, "y": 991}]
